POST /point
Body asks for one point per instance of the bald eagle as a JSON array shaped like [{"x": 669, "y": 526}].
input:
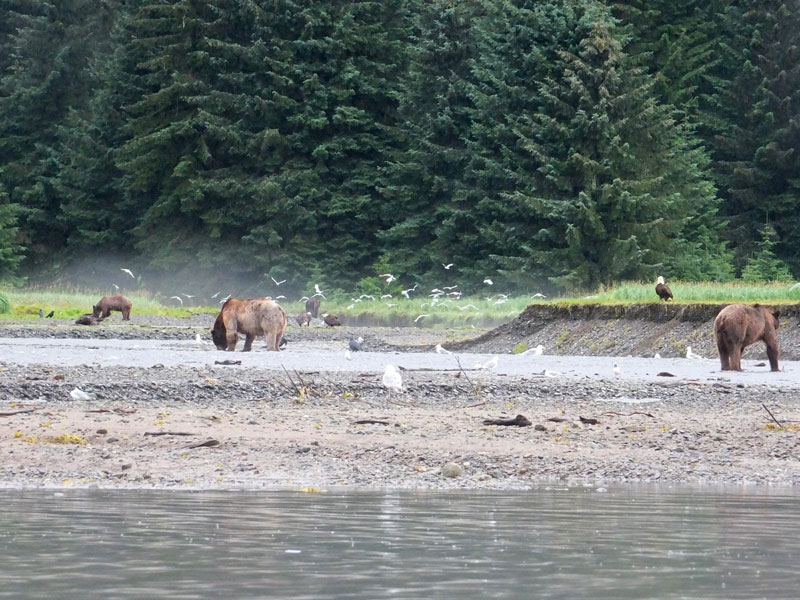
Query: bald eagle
[
  {"x": 663, "y": 291},
  {"x": 331, "y": 320}
]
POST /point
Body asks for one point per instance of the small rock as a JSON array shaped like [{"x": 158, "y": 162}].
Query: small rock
[
  {"x": 452, "y": 470},
  {"x": 126, "y": 466},
  {"x": 102, "y": 431},
  {"x": 539, "y": 427}
]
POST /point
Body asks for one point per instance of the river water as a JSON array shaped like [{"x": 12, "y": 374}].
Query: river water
[
  {"x": 551, "y": 542},
  {"x": 170, "y": 353}
]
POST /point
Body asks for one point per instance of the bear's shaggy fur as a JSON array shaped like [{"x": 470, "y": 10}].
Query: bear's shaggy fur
[
  {"x": 109, "y": 303},
  {"x": 252, "y": 317},
  {"x": 312, "y": 306},
  {"x": 737, "y": 326}
]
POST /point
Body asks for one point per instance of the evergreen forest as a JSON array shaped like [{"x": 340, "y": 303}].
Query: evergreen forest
[{"x": 545, "y": 144}]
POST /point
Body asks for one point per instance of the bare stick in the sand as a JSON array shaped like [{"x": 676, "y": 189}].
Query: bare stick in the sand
[
  {"x": 371, "y": 422},
  {"x": 771, "y": 415},
  {"x": 474, "y": 389},
  {"x": 477, "y": 404},
  {"x": 17, "y": 412},
  {"x": 636, "y": 412},
  {"x": 294, "y": 385},
  {"x": 154, "y": 433}
]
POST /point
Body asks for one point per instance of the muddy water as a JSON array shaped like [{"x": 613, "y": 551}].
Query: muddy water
[
  {"x": 328, "y": 357},
  {"x": 580, "y": 542}
]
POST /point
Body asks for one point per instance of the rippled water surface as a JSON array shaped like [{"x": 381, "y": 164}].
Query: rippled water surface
[{"x": 626, "y": 542}]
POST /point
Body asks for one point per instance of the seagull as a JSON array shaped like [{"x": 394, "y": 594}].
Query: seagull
[
  {"x": 616, "y": 370},
  {"x": 692, "y": 355},
  {"x": 347, "y": 354},
  {"x": 128, "y": 271},
  {"x": 276, "y": 281},
  {"x": 409, "y": 290},
  {"x": 198, "y": 339},
  {"x": 225, "y": 299},
  {"x": 391, "y": 379},
  {"x": 281, "y": 297},
  {"x": 537, "y": 295},
  {"x": 488, "y": 281},
  {"x": 489, "y": 364},
  {"x": 419, "y": 318},
  {"x": 549, "y": 373},
  {"x": 534, "y": 351},
  {"x": 178, "y": 298},
  {"x": 386, "y": 296},
  {"x": 447, "y": 267},
  {"x": 440, "y": 350},
  {"x": 79, "y": 394},
  {"x": 390, "y": 304},
  {"x": 215, "y": 295},
  {"x": 389, "y": 277},
  {"x": 187, "y": 296},
  {"x": 116, "y": 287},
  {"x": 657, "y": 355},
  {"x": 355, "y": 345},
  {"x": 468, "y": 306}
]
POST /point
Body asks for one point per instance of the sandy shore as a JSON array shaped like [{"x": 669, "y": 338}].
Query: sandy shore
[{"x": 224, "y": 427}]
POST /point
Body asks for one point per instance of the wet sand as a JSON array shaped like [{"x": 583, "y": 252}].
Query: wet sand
[{"x": 291, "y": 420}]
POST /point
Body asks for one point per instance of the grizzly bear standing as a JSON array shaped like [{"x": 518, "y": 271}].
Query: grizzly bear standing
[{"x": 737, "y": 326}]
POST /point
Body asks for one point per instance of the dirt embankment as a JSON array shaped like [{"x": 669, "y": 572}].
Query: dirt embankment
[{"x": 635, "y": 329}]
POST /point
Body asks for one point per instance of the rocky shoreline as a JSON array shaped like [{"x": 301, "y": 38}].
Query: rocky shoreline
[{"x": 267, "y": 429}]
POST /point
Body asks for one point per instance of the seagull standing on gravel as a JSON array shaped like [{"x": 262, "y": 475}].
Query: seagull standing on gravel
[
  {"x": 347, "y": 354},
  {"x": 198, "y": 339},
  {"x": 128, "y": 271},
  {"x": 534, "y": 351},
  {"x": 391, "y": 379},
  {"x": 440, "y": 350},
  {"x": 355, "y": 345},
  {"x": 691, "y": 355},
  {"x": 656, "y": 355},
  {"x": 79, "y": 394},
  {"x": 616, "y": 370},
  {"x": 489, "y": 364}
]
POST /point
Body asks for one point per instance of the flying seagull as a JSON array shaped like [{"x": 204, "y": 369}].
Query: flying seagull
[
  {"x": 488, "y": 281},
  {"x": 276, "y": 281},
  {"x": 447, "y": 266},
  {"x": 128, "y": 271},
  {"x": 178, "y": 298},
  {"x": 116, "y": 287},
  {"x": 389, "y": 277},
  {"x": 419, "y": 318}
]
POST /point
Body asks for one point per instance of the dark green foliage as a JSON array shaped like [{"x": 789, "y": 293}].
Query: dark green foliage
[
  {"x": 764, "y": 265},
  {"x": 548, "y": 144}
]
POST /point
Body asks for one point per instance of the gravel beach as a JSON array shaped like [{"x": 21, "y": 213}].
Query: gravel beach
[{"x": 213, "y": 426}]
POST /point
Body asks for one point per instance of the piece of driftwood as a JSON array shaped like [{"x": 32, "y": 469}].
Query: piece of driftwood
[
  {"x": 206, "y": 444},
  {"x": 589, "y": 420},
  {"x": 227, "y": 362},
  {"x": 519, "y": 421},
  {"x": 636, "y": 412},
  {"x": 557, "y": 419},
  {"x": 154, "y": 433},
  {"x": 17, "y": 412},
  {"x": 371, "y": 422},
  {"x": 664, "y": 374}
]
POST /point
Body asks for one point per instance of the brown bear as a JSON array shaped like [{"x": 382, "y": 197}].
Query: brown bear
[
  {"x": 737, "y": 326},
  {"x": 252, "y": 317},
  {"x": 109, "y": 303},
  {"x": 303, "y": 318},
  {"x": 312, "y": 306},
  {"x": 88, "y": 319}
]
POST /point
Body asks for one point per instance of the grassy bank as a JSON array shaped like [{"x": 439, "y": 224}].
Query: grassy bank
[{"x": 423, "y": 311}]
